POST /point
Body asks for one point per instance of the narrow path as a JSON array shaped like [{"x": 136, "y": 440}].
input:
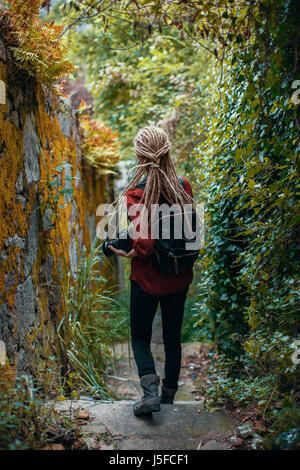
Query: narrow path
[
  {"x": 182, "y": 426},
  {"x": 124, "y": 377}
]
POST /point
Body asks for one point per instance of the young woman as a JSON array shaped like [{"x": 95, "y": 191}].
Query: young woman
[{"x": 149, "y": 287}]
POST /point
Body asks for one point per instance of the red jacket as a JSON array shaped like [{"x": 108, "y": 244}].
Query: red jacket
[{"x": 141, "y": 268}]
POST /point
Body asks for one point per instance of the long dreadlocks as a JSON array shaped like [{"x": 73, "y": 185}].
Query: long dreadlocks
[{"x": 152, "y": 148}]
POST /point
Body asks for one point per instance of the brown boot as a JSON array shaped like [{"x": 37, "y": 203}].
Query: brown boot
[
  {"x": 150, "y": 402},
  {"x": 167, "y": 395}
]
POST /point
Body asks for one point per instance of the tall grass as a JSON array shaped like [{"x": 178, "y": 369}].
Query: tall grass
[{"x": 94, "y": 318}]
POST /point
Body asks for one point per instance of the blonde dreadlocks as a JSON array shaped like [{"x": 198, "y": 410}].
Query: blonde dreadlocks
[{"x": 152, "y": 149}]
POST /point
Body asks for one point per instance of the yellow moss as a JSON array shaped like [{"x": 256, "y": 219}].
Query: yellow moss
[
  {"x": 14, "y": 219},
  {"x": 7, "y": 378}
]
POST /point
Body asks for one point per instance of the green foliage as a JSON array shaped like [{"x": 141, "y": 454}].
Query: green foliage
[
  {"x": 93, "y": 320},
  {"x": 55, "y": 191},
  {"x": 245, "y": 128},
  {"x": 36, "y": 46},
  {"x": 27, "y": 415},
  {"x": 190, "y": 328},
  {"x": 249, "y": 179},
  {"x": 158, "y": 83},
  {"x": 222, "y": 22}
]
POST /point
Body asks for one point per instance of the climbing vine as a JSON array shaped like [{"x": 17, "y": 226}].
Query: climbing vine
[{"x": 248, "y": 172}]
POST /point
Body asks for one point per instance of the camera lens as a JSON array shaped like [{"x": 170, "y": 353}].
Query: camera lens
[
  {"x": 107, "y": 251},
  {"x": 121, "y": 243}
]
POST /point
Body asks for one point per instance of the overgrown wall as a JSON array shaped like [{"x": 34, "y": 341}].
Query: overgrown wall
[{"x": 38, "y": 132}]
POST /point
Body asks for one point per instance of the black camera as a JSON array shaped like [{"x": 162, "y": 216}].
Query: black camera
[{"x": 122, "y": 243}]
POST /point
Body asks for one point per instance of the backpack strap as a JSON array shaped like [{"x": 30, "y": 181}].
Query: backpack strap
[{"x": 181, "y": 181}]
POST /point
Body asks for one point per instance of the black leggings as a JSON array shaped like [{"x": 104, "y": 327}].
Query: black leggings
[{"x": 143, "y": 308}]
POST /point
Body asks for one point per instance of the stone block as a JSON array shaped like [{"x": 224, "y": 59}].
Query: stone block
[
  {"x": 31, "y": 151},
  {"x": 31, "y": 245},
  {"x": 3, "y": 55},
  {"x": 24, "y": 303}
]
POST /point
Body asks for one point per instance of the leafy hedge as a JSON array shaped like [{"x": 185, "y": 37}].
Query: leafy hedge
[{"x": 248, "y": 175}]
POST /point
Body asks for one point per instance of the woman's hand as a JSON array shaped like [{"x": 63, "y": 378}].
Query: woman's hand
[{"x": 130, "y": 254}]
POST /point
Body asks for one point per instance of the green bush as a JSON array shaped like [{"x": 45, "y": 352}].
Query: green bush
[
  {"x": 94, "y": 318},
  {"x": 248, "y": 175}
]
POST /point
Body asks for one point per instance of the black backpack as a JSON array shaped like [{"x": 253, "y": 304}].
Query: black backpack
[{"x": 171, "y": 254}]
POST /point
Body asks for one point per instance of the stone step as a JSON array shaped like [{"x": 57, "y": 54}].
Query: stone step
[
  {"x": 182, "y": 425},
  {"x": 185, "y": 425}
]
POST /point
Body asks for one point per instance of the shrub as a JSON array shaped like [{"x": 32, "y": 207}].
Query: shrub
[
  {"x": 36, "y": 46},
  {"x": 247, "y": 174}
]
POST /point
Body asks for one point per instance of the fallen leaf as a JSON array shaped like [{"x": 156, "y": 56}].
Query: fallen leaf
[
  {"x": 83, "y": 415},
  {"x": 53, "y": 447}
]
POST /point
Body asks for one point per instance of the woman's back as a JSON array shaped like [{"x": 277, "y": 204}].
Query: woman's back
[{"x": 141, "y": 267}]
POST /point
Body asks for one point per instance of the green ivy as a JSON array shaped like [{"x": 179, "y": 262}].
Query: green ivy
[{"x": 248, "y": 174}]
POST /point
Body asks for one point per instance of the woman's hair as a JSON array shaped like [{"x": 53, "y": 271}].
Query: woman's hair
[{"x": 152, "y": 148}]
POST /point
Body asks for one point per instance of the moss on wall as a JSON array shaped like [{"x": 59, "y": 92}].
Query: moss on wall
[{"x": 38, "y": 132}]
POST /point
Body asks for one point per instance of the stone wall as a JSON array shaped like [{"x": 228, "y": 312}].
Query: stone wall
[{"x": 38, "y": 132}]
